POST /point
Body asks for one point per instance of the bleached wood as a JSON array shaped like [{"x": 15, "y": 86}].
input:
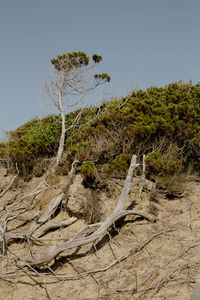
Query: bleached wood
[
  {"x": 127, "y": 185},
  {"x": 62, "y": 113},
  {"x": 112, "y": 218},
  {"x": 53, "y": 225},
  {"x": 53, "y": 205},
  {"x": 8, "y": 186},
  {"x": 196, "y": 291}
]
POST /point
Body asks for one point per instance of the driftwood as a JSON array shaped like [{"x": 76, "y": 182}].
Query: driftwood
[{"x": 102, "y": 227}]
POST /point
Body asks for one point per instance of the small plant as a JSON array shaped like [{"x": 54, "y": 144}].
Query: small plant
[
  {"x": 80, "y": 150},
  {"x": 121, "y": 162},
  {"x": 88, "y": 170},
  {"x": 172, "y": 184},
  {"x": 168, "y": 163},
  {"x": 63, "y": 168},
  {"x": 119, "y": 165},
  {"x": 89, "y": 173},
  {"x": 40, "y": 166},
  {"x": 3, "y": 150},
  {"x": 154, "y": 163}
]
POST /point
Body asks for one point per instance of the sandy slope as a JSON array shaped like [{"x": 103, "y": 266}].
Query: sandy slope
[{"x": 150, "y": 260}]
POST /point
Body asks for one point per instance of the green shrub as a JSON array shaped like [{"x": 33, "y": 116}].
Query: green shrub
[
  {"x": 3, "y": 150},
  {"x": 78, "y": 150},
  {"x": 119, "y": 165},
  {"x": 33, "y": 140},
  {"x": 138, "y": 123},
  {"x": 154, "y": 162},
  {"x": 88, "y": 169},
  {"x": 166, "y": 164}
]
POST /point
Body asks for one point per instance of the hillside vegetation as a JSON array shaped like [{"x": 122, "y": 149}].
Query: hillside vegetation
[
  {"x": 162, "y": 123},
  {"x": 118, "y": 215}
]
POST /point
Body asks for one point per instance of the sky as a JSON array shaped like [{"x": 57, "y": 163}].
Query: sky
[{"x": 143, "y": 43}]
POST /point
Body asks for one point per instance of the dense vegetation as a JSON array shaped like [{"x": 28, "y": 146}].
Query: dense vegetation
[{"x": 163, "y": 123}]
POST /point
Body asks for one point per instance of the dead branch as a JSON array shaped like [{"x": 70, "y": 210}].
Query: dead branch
[
  {"x": 46, "y": 290},
  {"x": 8, "y": 186},
  {"x": 57, "y": 249},
  {"x": 165, "y": 278},
  {"x": 118, "y": 213},
  {"x": 10, "y": 183},
  {"x": 15, "y": 202},
  {"x": 53, "y": 205},
  {"x": 8, "y": 237},
  {"x": 53, "y": 225},
  {"x": 196, "y": 291},
  {"x": 127, "y": 185},
  {"x": 40, "y": 226},
  {"x": 143, "y": 176},
  {"x": 130, "y": 251}
]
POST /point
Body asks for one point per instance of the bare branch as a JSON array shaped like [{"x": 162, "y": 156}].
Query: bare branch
[
  {"x": 53, "y": 205},
  {"x": 117, "y": 214},
  {"x": 8, "y": 187},
  {"x": 53, "y": 225}
]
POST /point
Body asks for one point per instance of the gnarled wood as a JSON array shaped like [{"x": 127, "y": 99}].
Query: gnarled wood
[
  {"x": 8, "y": 186},
  {"x": 196, "y": 291},
  {"x": 111, "y": 219},
  {"x": 53, "y": 205},
  {"x": 53, "y": 225}
]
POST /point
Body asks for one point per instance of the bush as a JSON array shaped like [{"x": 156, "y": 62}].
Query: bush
[
  {"x": 89, "y": 173},
  {"x": 88, "y": 169},
  {"x": 78, "y": 150},
  {"x": 33, "y": 140},
  {"x": 166, "y": 164},
  {"x": 139, "y": 123},
  {"x": 121, "y": 163}
]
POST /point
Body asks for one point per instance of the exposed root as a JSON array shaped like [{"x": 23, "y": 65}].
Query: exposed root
[{"x": 45, "y": 268}]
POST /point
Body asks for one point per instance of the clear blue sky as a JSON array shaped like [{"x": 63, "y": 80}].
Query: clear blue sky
[{"x": 143, "y": 43}]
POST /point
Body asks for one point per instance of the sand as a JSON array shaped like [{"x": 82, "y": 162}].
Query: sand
[{"x": 136, "y": 259}]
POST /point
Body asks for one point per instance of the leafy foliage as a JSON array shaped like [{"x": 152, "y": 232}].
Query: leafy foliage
[
  {"x": 103, "y": 76},
  {"x": 145, "y": 121},
  {"x": 69, "y": 61},
  {"x": 89, "y": 173},
  {"x": 163, "y": 164},
  {"x": 119, "y": 165},
  {"x": 163, "y": 123},
  {"x": 32, "y": 140},
  {"x": 88, "y": 169}
]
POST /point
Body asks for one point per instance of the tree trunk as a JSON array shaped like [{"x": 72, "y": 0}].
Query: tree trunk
[{"x": 63, "y": 130}]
